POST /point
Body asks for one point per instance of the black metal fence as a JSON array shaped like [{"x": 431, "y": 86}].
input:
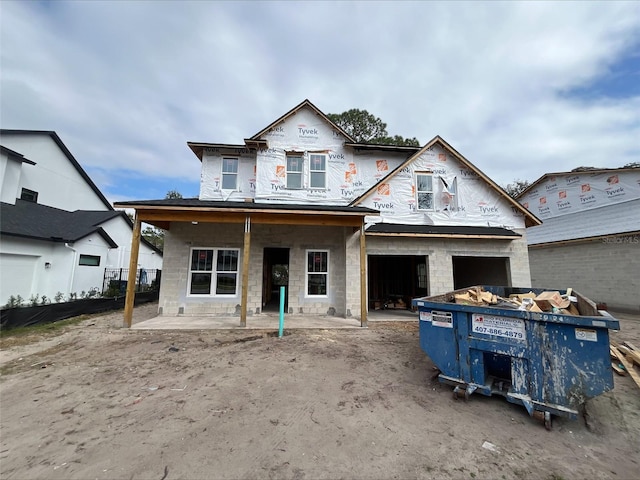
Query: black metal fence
[{"x": 115, "y": 281}]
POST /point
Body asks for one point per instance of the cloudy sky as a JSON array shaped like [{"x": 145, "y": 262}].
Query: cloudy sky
[{"x": 520, "y": 89}]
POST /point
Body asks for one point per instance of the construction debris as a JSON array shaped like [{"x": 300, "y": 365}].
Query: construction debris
[
  {"x": 549, "y": 301},
  {"x": 626, "y": 357}
]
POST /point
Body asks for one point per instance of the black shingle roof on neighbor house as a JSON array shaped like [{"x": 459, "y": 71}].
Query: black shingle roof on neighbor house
[
  {"x": 393, "y": 228},
  {"x": 32, "y": 220},
  {"x": 218, "y": 204}
]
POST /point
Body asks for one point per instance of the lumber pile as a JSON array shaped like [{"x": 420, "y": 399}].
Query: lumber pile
[
  {"x": 550, "y": 301},
  {"x": 625, "y": 358}
]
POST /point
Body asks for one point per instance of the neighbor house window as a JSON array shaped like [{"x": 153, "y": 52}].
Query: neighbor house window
[
  {"x": 213, "y": 271},
  {"x": 28, "y": 195},
  {"x": 317, "y": 272},
  {"x": 318, "y": 171},
  {"x": 89, "y": 260},
  {"x": 294, "y": 171},
  {"x": 424, "y": 191},
  {"x": 229, "y": 173}
]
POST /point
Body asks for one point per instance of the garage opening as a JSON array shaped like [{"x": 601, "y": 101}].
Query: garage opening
[
  {"x": 469, "y": 271},
  {"x": 395, "y": 279},
  {"x": 275, "y": 274}
]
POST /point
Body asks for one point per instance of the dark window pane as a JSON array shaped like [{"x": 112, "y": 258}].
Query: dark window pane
[
  {"x": 89, "y": 260},
  {"x": 200, "y": 283},
  {"x": 227, "y": 261},
  {"x": 226, "y": 284},
  {"x": 201, "y": 260},
  {"x": 230, "y": 165},
  {"x": 294, "y": 164},
  {"x": 317, "y": 262},
  {"x": 317, "y": 284},
  {"x": 316, "y": 162}
]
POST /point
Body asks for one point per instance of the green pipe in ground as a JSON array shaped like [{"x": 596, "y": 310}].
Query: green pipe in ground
[{"x": 281, "y": 328}]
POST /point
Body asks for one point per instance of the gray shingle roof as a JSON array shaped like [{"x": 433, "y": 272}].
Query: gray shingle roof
[{"x": 32, "y": 220}]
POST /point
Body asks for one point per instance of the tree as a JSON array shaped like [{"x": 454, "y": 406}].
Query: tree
[
  {"x": 153, "y": 235},
  {"x": 367, "y": 128},
  {"x": 516, "y": 187},
  {"x": 173, "y": 194}
]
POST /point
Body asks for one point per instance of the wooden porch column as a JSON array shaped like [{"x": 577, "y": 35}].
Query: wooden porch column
[
  {"x": 133, "y": 267},
  {"x": 245, "y": 271},
  {"x": 363, "y": 278}
]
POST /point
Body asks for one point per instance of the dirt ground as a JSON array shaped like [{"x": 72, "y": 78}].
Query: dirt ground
[{"x": 103, "y": 402}]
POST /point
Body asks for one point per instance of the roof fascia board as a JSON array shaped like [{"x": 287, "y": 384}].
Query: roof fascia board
[
  {"x": 247, "y": 211},
  {"x": 12, "y": 154}
]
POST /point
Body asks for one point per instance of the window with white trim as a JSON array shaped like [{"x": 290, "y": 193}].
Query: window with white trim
[
  {"x": 229, "y": 173},
  {"x": 424, "y": 191},
  {"x": 294, "y": 171},
  {"x": 317, "y": 170},
  {"x": 317, "y": 274},
  {"x": 214, "y": 271}
]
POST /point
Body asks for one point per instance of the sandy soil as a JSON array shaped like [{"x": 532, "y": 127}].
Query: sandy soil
[{"x": 103, "y": 402}]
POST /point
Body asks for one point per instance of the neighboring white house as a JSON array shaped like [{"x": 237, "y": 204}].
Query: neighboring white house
[
  {"x": 590, "y": 238},
  {"x": 58, "y": 232},
  {"x": 344, "y": 226}
]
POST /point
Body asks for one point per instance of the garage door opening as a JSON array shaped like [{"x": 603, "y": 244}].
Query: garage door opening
[
  {"x": 469, "y": 271},
  {"x": 395, "y": 279}
]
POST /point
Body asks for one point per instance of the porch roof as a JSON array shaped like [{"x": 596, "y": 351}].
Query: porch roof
[
  {"x": 161, "y": 212},
  {"x": 448, "y": 231}
]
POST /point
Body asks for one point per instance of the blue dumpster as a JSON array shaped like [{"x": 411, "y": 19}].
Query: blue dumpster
[{"x": 548, "y": 362}]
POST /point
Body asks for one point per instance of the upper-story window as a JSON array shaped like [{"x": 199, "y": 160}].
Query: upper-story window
[
  {"x": 229, "y": 173},
  {"x": 29, "y": 195},
  {"x": 317, "y": 171},
  {"x": 450, "y": 194},
  {"x": 294, "y": 171},
  {"x": 424, "y": 191}
]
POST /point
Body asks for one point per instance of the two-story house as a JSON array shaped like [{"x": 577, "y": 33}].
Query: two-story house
[
  {"x": 58, "y": 232},
  {"x": 344, "y": 226}
]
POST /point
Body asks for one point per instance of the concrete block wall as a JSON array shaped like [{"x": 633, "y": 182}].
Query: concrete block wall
[
  {"x": 605, "y": 270},
  {"x": 440, "y": 253},
  {"x": 183, "y": 236}
]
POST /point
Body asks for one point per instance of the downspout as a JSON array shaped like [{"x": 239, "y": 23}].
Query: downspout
[{"x": 73, "y": 266}]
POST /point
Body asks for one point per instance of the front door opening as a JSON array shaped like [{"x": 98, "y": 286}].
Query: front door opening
[
  {"x": 470, "y": 271},
  {"x": 275, "y": 274},
  {"x": 396, "y": 279}
]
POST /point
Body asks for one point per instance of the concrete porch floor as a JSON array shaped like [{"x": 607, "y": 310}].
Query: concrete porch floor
[{"x": 269, "y": 321}]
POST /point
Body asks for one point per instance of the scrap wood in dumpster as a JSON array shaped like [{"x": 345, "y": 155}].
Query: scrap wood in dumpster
[{"x": 547, "y": 301}]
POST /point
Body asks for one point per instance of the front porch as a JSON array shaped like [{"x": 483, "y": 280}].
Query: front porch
[{"x": 270, "y": 321}]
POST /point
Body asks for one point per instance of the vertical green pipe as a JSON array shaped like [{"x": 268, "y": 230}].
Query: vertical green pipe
[{"x": 281, "y": 312}]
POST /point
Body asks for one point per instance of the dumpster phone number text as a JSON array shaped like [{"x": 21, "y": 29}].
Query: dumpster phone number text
[{"x": 497, "y": 331}]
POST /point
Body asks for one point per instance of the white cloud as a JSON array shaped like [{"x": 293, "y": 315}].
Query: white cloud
[{"x": 126, "y": 85}]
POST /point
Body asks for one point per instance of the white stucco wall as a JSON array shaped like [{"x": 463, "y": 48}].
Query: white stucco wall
[
  {"x": 55, "y": 179},
  {"x": 10, "y": 171}
]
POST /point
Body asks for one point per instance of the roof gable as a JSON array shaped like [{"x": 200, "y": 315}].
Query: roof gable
[
  {"x": 304, "y": 104},
  {"x": 469, "y": 171},
  {"x": 54, "y": 136}
]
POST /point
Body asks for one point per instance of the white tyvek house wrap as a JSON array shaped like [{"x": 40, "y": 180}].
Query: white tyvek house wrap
[
  {"x": 211, "y": 174},
  {"x": 472, "y": 203},
  {"x": 348, "y": 175},
  {"x": 565, "y": 194}
]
